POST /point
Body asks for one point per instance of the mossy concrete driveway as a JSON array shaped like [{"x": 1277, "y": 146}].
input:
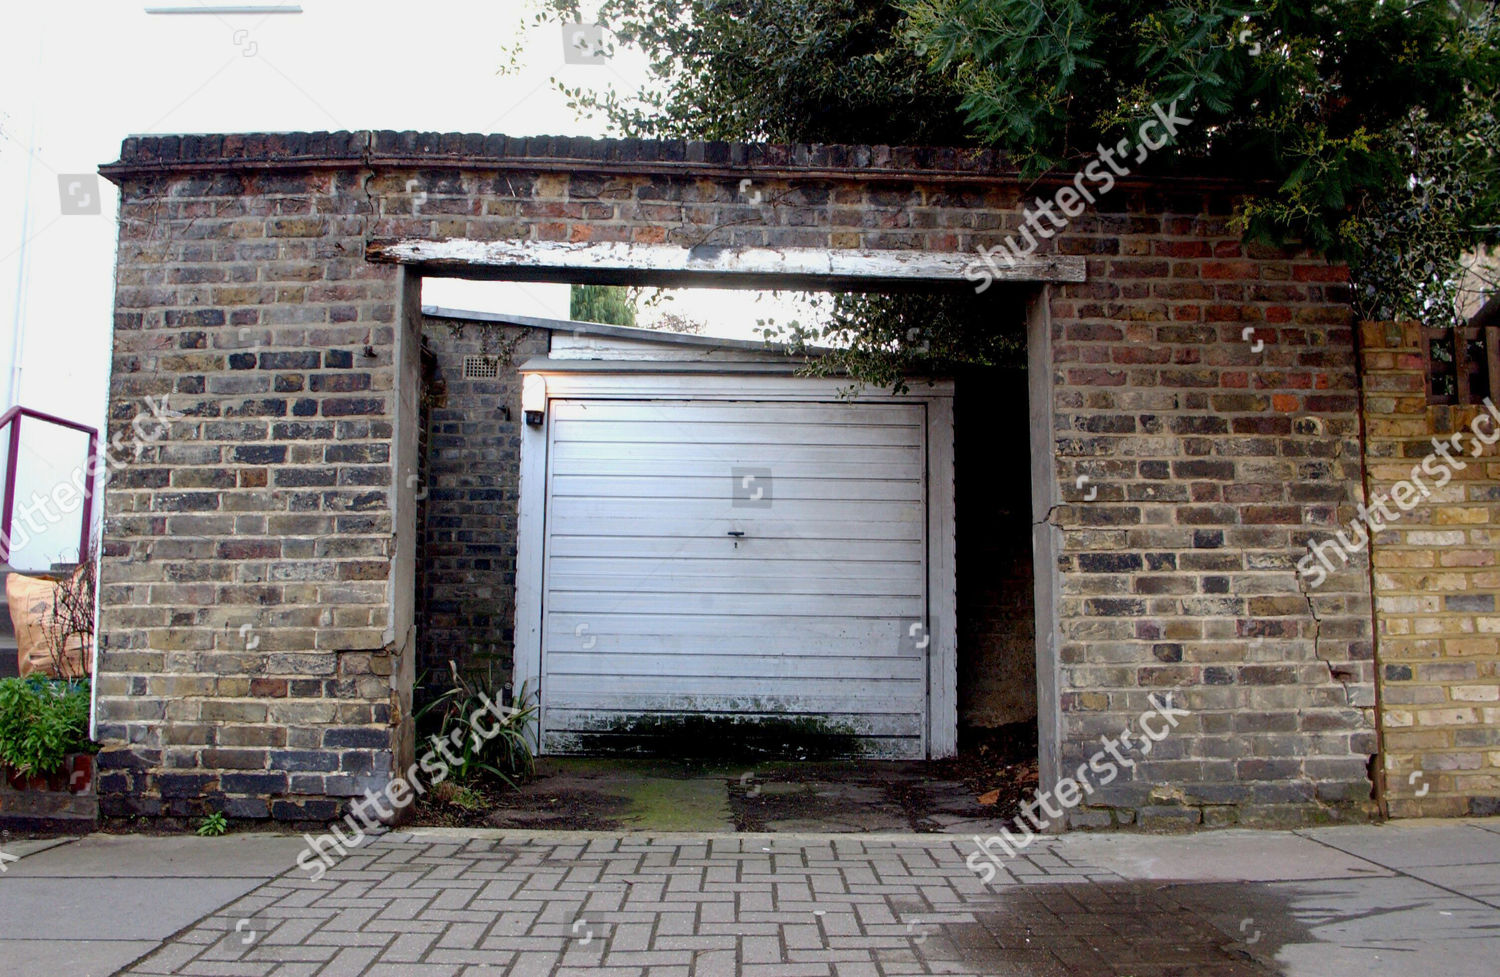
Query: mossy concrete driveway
[{"x": 684, "y": 795}]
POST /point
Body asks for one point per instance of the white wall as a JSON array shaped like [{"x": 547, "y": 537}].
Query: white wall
[{"x": 80, "y": 76}]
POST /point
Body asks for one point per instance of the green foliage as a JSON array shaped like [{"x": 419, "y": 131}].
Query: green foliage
[
  {"x": 888, "y": 340},
  {"x": 485, "y": 744},
  {"x": 778, "y": 70},
  {"x": 611, "y": 304},
  {"x": 458, "y": 795},
  {"x": 213, "y": 825},
  {"x": 1336, "y": 106},
  {"x": 1365, "y": 128},
  {"x": 1404, "y": 242},
  {"x": 42, "y": 721}
]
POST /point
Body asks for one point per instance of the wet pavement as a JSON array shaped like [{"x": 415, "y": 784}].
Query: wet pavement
[{"x": 1403, "y": 898}]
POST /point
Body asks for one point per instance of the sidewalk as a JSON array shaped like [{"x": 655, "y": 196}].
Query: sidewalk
[{"x": 1409, "y": 897}]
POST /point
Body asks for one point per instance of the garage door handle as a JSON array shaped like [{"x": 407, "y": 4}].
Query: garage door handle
[{"x": 736, "y": 533}]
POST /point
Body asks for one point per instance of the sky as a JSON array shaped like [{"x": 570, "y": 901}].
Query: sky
[{"x": 78, "y": 76}]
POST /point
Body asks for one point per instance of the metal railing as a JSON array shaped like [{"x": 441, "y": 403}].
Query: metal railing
[{"x": 74, "y": 493}]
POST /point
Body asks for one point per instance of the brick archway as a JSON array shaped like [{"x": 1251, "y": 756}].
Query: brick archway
[{"x": 244, "y": 292}]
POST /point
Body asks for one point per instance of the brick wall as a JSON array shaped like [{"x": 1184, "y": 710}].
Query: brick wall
[
  {"x": 1213, "y": 462},
  {"x": 245, "y": 655},
  {"x": 1436, "y": 581},
  {"x": 468, "y": 596},
  {"x": 1212, "y": 458}
]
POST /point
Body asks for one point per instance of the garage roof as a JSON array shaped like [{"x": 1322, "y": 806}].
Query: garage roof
[{"x": 637, "y": 333}]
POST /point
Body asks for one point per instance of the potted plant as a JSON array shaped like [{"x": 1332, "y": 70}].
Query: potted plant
[
  {"x": 44, "y": 734},
  {"x": 46, "y": 756}
]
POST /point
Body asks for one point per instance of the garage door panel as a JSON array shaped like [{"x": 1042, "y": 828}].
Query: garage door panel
[
  {"x": 650, "y": 607},
  {"x": 565, "y": 630},
  {"x": 809, "y": 584},
  {"x": 871, "y": 713},
  {"x": 748, "y": 411},
  {"x": 730, "y": 431},
  {"x": 791, "y": 461},
  {"x": 720, "y": 666},
  {"x": 882, "y": 642},
  {"x": 736, "y": 569},
  {"x": 669, "y": 513},
  {"x": 786, "y": 487},
  {"x": 714, "y": 548},
  {"x": 765, "y": 529},
  {"x": 759, "y": 584},
  {"x": 722, "y": 690},
  {"x": 740, "y": 605}
]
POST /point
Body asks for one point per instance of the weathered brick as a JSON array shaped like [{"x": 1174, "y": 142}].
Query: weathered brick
[{"x": 1181, "y": 571}]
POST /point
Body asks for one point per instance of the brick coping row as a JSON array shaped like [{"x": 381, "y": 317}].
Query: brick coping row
[{"x": 148, "y": 155}]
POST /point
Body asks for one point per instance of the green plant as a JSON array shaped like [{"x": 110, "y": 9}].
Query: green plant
[
  {"x": 458, "y": 795},
  {"x": 487, "y": 737},
  {"x": 42, "y": 721},
  {"x": 836, "y": 71},
  {"x": 1362, "y": 128},
  {"x": 1365, "y": 129},
  {"x": 213, "y": 825},
  {"x": 609, "y": 304},
  {"x": 891, "y": 340}
]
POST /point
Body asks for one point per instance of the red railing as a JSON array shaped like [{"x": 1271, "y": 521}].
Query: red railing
[{"x": 10, "y": 439}]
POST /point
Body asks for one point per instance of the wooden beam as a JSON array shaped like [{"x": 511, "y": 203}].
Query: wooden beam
[{"x": 753, "y": 267}]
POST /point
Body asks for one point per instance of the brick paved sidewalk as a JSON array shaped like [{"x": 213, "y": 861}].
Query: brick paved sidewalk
[
  {"x": 1361, "y": 901},
  {"x": 742, "y": 905}
]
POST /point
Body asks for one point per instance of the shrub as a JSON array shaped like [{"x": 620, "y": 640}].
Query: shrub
[
  {"x": 42, "y": 721},
  {"x": 485, "y": 743}
]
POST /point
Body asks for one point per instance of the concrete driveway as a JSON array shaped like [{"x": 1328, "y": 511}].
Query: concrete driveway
[{"x": 1412, "y": 897}]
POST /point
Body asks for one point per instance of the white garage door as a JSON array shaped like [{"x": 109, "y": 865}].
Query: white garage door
[{"x": 757, "y": 560}]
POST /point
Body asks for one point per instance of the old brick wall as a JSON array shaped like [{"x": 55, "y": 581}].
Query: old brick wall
[
  {"x": 468, "y": 597},
  {"x": 1436, "y": 581},
  {"x": 1213, "y": 460},
  {"x": 243, "y": 597},
  {"x": 1211, "y": 456}
]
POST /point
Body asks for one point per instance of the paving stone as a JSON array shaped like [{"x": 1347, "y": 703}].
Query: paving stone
[{"x": 861, "y": 907}]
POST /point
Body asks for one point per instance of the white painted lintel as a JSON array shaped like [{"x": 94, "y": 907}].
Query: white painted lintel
[{"x": 710, "y": 264}]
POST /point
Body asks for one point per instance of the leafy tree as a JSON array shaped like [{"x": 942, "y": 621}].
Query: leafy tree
[
  {"x": 777, "y": 70},
  {"x": 611, "y": 304},
  {"x": 1373, "y": 119},
  {"x": 1410, "y": 244},
  {"x": 803, "y": 71},
  {"x": 1370, "y": 124},
  {"x": 887, "y": 339}
]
